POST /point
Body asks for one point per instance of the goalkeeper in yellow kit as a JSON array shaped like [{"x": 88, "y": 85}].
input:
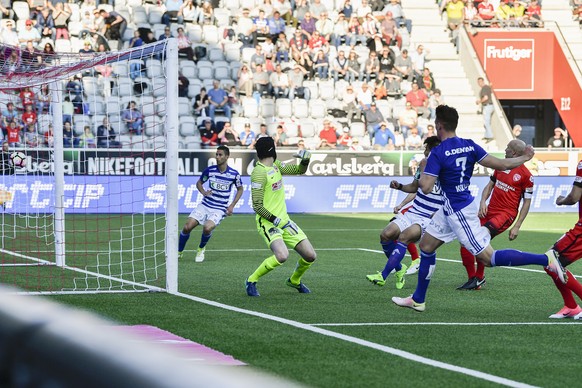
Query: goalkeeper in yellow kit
[{"x": 273, "y": 222}]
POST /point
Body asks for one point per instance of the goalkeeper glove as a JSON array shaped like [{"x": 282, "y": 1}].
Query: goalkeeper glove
[
  {"x": 303, "y": 155},
  {"x": 291, "y": 228}
]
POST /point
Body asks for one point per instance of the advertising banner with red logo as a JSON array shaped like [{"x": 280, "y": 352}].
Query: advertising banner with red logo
[{"x": 530, "y": 65}]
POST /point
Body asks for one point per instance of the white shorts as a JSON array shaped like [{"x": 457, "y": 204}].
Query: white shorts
[
  {"x": 203, "y": 213},
  {"x": 406, "y": 220},
  {"x": 463, "y": 225}
]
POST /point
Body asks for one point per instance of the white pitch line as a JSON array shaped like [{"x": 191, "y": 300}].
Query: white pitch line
[
  {"x": 447, "y": 324},
  {"x": 358, "y": 341}
]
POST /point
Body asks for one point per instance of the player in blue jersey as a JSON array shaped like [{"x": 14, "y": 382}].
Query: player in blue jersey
[
  {"x": 452, "y": 163},
  {"x": 408, "y": 227},
  {"x": 214, "y": 206}
]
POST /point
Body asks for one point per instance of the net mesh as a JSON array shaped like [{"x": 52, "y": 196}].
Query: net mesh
[{"x": 114, "y": 110}]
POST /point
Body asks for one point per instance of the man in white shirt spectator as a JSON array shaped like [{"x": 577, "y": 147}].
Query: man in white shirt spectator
[
  {"x": 246, "y": 29},
  {"x": 279, "y": 82},
  {"x": 364, "y": 97},
  {"x": 29, "y": 34},
  {"x": 296, "y": 87},
  {"x": 172, "y": 9},
  {"x": 418, "y": 58},
  {"x": 398, "y": 13},
  {"x": 9, "y": 36},
  {"x": 325, "y": 26},
  {"x": 317, "y": 8}
]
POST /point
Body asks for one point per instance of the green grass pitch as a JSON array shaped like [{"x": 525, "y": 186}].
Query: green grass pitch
[{"x": 458, "y": 328}]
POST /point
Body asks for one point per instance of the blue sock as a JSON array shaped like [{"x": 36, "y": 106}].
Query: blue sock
[
  {"x": 515, "y": 258},
  {"x": 204, "y": 239},
  {"x": 394, "y": 260},
  {"x": 183, "y": 240},
  {"x": 388, "y": 247},
  {"x": 424, "y": 273}
]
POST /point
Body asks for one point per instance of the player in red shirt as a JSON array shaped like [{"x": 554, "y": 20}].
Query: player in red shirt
[
  {"x": 569, "y": 249},
  {"x": 506, "y": 189}
]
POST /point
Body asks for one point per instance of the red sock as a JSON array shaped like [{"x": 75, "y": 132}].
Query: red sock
[
  {"x": 468, "y": 262},
  {"x": 413, "y": 251},
  {"x": 480, "y": 273},
  {"x": 574, "y": 285},
  {"x": 569, "y": 300}
]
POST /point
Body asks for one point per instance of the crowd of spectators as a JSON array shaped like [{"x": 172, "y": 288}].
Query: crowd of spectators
[{"x": 361, "y": 47}]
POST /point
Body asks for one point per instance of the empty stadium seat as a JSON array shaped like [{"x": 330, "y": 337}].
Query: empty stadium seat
[
  {"x": 205, "y": 70},
  {"x": 317, "y": 109},
  {"x": 313, "y": 88},
  {"x": 357, "y": 129},
  {"x": 326, "y": 89},
  {"x": 216, "y": 54},
  {"x": 308, "y": 128},
  {"x": 188, "y": 126},
  {"x": 210, "y": 34},
  {"x": 267, "y": 107},
  {"x": 194, "y": 32},
  {"x": 21, "y": 9},
  {"x": 300, "y": 108},
  {"x": 284, "y": 108},
  {"x": 250, "y": 107}
]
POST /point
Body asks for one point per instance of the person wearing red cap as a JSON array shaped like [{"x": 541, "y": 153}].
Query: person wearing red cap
[{"x": 29, "y": 34}]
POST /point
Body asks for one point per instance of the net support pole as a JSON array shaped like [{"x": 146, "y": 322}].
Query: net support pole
[
  {"x": 59, "y": 163},
  {"x": 172, "y": 141}
]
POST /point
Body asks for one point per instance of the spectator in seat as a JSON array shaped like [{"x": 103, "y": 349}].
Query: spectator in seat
[
  {"x": 61, "y": 14},
  {"x": 321, "y": 65},
  {"x": 258, "y": 58},
  {"x": 387, "y": 60},
  {"x": 48, "y": 53},
  {"x": 43, "y": 100},
  {"x": 351, "y": 104},
  {"x": 261, "y": 26},
  {"x": 31, "y": 58},
  {"x": 29, "y": 34},
  {"x": 299, "y": 45},
  {"x": 167, "y": 34},
  {"x": 276, "y": 25},
  {"x": 49, "y": 137},
  {"x": 31, "y": 138},
  {"x": 183, "y": 84},
  {"x": 132, "y": 118},
  {"x": 13, "y": 132},
  {"x": 317, "y": 8},
  {"x": 206, "y": 13},
  {"x": 364, "y": 97},
  {"x": 307, "y": 26},
  {"x": 27, "y": 96},
  {"x": 184, "y": 45},
  {"x": 371, "y": 66},
  {"x": 106, "y": 136},
  {"x": 340, "y": 66},
  {"x": 9, "y": 114},
  {"x": 533, "y": 14},
  {"x": 389, "y": 29},
  {"x": 419, "y": 100},
  {"x": 413, "y": 140},
  {"x": 283, "y": 7},
  {"x": 245, "y": 81},
  {"x": 318, "y": 43},
  {"x": 262, "y": 132},
  {"x": 87, "y": 48},
  {"x": 301, "y": 9},
  {"x": 282, "y": 48},
  {"x": 340, "y": 31},
  {"x": 356, "y": 32},
  {"x": 248, "y": 137},
  {"x": 9, "y": 36},
  {"x": 398, "y": 14},
  {"x": 371, "y": 26},
  {"x": 373, "y": 118},
  {"x": 189, "y": 12},
  {"x": 281, "y": 138},
  {"x": 261, "y": 82},
  {"x": 399, "y": 143},
  {"x": 29, "y": 116},
  {"x": 558, "y": 140},
  {"x": 408, "y": 118},
  {"x": 136, "y": 41},
  {"x": 376, "y": 44},
  {"x": 279, "y": 82},
  {"x": 228, "y": 136},
  {"x": 172, "y": 9},
  {"x": 418, "y": 58},
  {"x": 69, "y": 138},
  {"x": 329, "y": 134},
  {"x": 380, "y": 90},
  {"x": 426, "y": 81},
  {"x": 356, "y": 146},
  {"x": 383, "y": 137},
  {"x": 246, "y": 29},
  {"x": 435, "y": 100},
  {"x": 324, "y": 26},
  {"x": 296, "y": 88},
  {"x": 87, "y": 139},
  {"x": 218, "y": 99},
  {"x": 208, "y": 133},
  {"x": 115, "y": 25},
  {"x": 471, "y": 15},
  {"x": 430, "y": 131},
  {"x": 354, "y": 68},
  {"x": 486, "y": 11},
  {"x": 344, "y": 140},
  {"x": 403, "y": 66}
]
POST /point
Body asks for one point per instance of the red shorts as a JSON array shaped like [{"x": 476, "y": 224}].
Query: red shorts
[
  {"x": 569, "y": 246},
  {"x": 497, "y": 223}
]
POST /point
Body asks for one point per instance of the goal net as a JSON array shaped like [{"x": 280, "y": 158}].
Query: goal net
[{"x": 92, "y": 206}]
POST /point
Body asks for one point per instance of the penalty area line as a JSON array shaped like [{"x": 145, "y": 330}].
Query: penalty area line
[{"x": 358, "y": 341}]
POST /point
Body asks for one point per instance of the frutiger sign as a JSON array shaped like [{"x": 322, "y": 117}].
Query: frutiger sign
[{"x": 512, "y": 62}]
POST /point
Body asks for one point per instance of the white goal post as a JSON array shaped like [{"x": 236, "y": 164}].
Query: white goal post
[{"x": 73, "y": 219}]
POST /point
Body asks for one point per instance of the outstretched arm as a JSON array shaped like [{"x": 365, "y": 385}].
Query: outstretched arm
[
  {"x": 508, "y": 163},
  {"x": 296, "y": 169},
  {"x": 573, "y": 196}
]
